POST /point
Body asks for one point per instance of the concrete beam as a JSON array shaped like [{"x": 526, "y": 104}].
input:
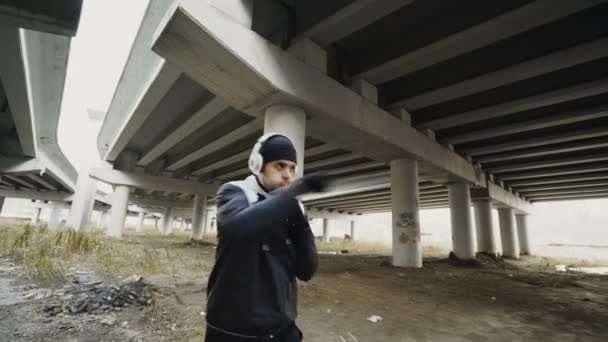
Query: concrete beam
[
  {"x": 59, "y": 18},
  {"x": 557, "y": 138},
  {"x": 507, "y": 199},
  {"x": 558, "y": 179},
  {"x": 43, "y": 182},
  {"x": 532, "y": 102},
  {"x": 150, "y": 202},
  {"x": 572, "y": 191},
  {"x": 21, "y": 166},
  {"x": 530, "y": 125},
  {"x": 523, "y": 190},
  {"x": 159, "y": 183},
  {"x": 554, "y": 172},
  {"x": 570, "y": 197},
  {"x": 591, "y": 195},
  {"x": 518, "y": 166},
  {"x": 507, "y": 25},
  {"x": 145, "y": 79},
  {"x": 234, "y": 136},
  {"x": 208, "y": 112},
  {"x": 354, "y": 168},
  {"x": 350, "y": 19},
  {"x": 20, "y": 181},
  {"x": 575, "y": 146},
  {"x": 16, "y": 83},
  {"x": 241, "y": 67},
  {"x": 559, "y": 60},
  {"x": 37, "y": 195}
]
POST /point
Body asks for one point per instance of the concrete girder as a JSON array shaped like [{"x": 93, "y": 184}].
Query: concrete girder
[
  {"x": 571, "y": 198},
  {"x": 554, "y": 172},
  {"x": 381, "y": 199},
  {"x": 519, "y": 105},
  {"x": 350, "y": 19},
  {"x": 234, "y": 136},
  {"x": 556, "y": 180},
  {"x": 545, "y": 150},
  {"x": 59, "y": 18},
  {"x": 591, "y": 189},
  {"x": 509, "y": 24},
  {"x": 208, "y": 112},
  {"x": 43, "y": 182},
  {"x": 523, "y": 190},
  {"x": 519, "y": 144},
  {"x": 21, "y": 166},
  {"x": 354, "y": 168},
  {"x": 159, "y": 183},
  {"x": 530, "y": 125},
  {"x": 150, "y": 202},
  {"x": 515, "y": 166},
  {"x": 145, "y": 79},
  {"x": 315, "y": 213},
  {"x": 37, "y": 195},
  {"x": 559, "y": 60},
  {"x": 241, "y": 67},
  {"x": 20, "y": 181}
]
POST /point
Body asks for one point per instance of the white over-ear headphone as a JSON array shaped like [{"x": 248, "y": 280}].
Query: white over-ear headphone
[{"x": 256, "y": 160}]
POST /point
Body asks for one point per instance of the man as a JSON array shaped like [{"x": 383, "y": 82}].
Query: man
[{"x": 264, "y": 244}]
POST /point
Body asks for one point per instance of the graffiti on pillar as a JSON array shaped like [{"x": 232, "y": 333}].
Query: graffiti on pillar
[
  {"x": 409, "y": 224},
  {"x": 407, "y": 220}
]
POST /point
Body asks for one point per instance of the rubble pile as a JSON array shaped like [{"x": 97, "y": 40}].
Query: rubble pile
[{"x": 96, "y": 298}]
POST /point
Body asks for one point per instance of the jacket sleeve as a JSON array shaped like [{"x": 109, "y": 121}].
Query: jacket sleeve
[
  {"x": 236, "y": 218},
  {"x": 305, "y": 248}
]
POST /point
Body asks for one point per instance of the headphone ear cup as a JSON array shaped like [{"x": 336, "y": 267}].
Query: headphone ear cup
[{"x": 255, "y": 162}]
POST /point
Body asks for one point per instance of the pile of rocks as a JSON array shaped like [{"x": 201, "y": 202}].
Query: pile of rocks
[{"x": 99, "y": 297}]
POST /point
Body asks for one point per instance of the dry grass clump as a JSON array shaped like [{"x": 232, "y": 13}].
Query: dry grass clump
[{"x": 551, "y": 262}]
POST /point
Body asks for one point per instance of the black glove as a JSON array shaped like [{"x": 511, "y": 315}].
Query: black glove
[{"x": 314, "y": 182}]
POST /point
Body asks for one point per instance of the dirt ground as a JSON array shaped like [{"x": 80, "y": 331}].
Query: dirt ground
[{"x": 498, "y": 301}]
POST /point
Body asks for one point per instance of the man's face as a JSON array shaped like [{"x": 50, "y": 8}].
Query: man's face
[{"x": 278, "y": 174}]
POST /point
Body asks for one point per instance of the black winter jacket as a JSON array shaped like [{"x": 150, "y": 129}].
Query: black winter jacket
[{"x": 264, "y": 243}]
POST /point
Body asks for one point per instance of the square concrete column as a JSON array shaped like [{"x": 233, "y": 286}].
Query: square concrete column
[
  {"x": 508, "y": 233},
  {"x": 463, "y": 236},
  {"x": 407, "y": 246},
  {"x": 523, "y": 234},
  {"x": 1, "y": 204},
  {"x": 82, "y": 204},
  {"x": 325, "y": 230},
  {"x": 289, "y": 121},
  {"x": 198, "y": 216},
  {"x": 352, "y": 230},
  {"x": 483, "y": 222},
  {"x": 139, "y": 228},
  {"x": 55, "y": 218},
  {"x": 120, "y": 201},
  {"x": 167, "y": 221}
]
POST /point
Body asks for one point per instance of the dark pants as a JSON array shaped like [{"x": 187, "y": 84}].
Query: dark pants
[{"x": 289, "y": 334}]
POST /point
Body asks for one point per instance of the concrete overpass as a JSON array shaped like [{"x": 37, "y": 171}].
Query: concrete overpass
[
  {"x": 501, "y": 106},
  {"x": 35, "y": 39}
]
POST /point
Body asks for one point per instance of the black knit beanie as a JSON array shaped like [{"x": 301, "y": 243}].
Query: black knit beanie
[{"x": 278, "y": 147}]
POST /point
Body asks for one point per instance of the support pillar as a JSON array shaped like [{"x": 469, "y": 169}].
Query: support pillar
[
  {"x": 120, "y": 201},
  {"x": 55, "y": 218},
  {"x": 156, "y": 223},
  {"x": 508, "y": 233},
  {"x": 483, "y": 222},
  {"x": 36, "y": 215},
  {"x": 523, "y": 234},
  {"x": 1, "y": 204},
  {"x": 325, "y": 230},
  {"x": 407, "y": 246},
  {"x": 167, "y": 221},
  {"x": 463, "y": 236},
  {"x": 352, "y": 230},
  {"x": 198, "y": 216},
  {"x": 289, "y": 121},
  {"x": 139, "y": 228},
  {"x": 82, "y": 204}
]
